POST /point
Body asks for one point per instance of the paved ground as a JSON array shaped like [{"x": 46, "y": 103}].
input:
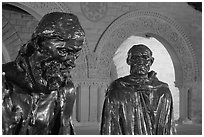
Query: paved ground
[{"x": 185, "y": 129}]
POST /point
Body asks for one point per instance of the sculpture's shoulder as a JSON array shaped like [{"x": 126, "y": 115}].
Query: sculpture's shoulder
[
  {"x": 9, "y": 69},
  {"x": 161, "y": 84},
  {"x": 162, "y": 88},
  {"x": 120, "y": 89},
  {"x": 14, "y": 78},
  {"x": 8, "y": 72},
  {"x": 68, "y": 89},
  {"x": 12, "y": 73},
  {"x": 120, "y": 83},
  {"x": 155, "y": 82}
]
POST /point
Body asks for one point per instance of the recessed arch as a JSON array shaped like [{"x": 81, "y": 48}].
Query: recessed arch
[
  {"x": 38, "y": 9},
  {"x": 162, "y": 65},
  {"x": 164, "y": 29},
  {"x": 157, "y": 25}
]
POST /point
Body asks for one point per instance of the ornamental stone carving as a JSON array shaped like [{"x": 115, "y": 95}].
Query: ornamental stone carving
[
  {"x": 133, "y": 25},
  {"x": 162, "y": 28},
  {"x": 129, "y": 26},
  {"x": 94, "y": 11},
  {"x": 92, "y": 59},
  {"x": 147, "y": 23},
  {"x": 46, "y": 7},
  {"x": 174, "y": 36},
  {"x": 143, "y": 22},
  {"x": 119, "y": 33},
  {"x": 188, "y": 68},
  {"x": 181, "y": 49}
]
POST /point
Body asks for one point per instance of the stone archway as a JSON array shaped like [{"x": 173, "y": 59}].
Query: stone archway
[
  {"x": 38, "y": 9},
  {"x": 167, "y": 32},
  {"x": 10, "y": 38},
  {"x": 5, "y": 57}
]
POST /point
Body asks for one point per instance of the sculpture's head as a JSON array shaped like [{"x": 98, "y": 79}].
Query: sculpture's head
[
  {"x": 54, "y": 47},
  {"x": 59, "y": 36},
  {"x": 140, "y": 59}
]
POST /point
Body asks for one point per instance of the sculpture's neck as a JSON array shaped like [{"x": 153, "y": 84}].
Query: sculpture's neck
[
  {"x": 139, "y": 76},
  {"x": 145, "y": 82},
  {"x": 143, "y": 79}
]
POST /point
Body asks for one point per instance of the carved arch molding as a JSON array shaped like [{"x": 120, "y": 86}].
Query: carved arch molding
[
  {"x": 38, "y": 10},
  {"x": 8, "y": 35},
  {"x": 154, "y": 24}
]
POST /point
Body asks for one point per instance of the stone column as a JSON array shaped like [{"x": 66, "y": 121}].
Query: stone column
[
  {"x": 83, "y": 103},
  {"x": 93, "y": 103},
  {"x": 196, "y": 102},
  {"x": 183, "y": 105}
]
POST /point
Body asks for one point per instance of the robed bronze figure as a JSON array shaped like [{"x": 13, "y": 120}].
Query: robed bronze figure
[
  {"x": 38, "y": 94},
  {"x": 138, "y": 104}
]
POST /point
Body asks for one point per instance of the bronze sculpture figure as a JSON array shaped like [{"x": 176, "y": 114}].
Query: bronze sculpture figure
[
  {"x": 38, "y": 94},
  {"x": 138, "y": 104}
]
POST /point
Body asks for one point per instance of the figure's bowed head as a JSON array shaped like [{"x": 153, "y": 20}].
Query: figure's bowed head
[
  {"x": 140, "y": 59},
  {"x": 55, "y": 45},
  {"x": 60, "y": 37}
]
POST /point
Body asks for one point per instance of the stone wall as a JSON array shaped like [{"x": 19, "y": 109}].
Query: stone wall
[{"x": 17, "y": 29}]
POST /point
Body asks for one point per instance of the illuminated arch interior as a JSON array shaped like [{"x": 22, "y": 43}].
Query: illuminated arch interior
[{"x": 162, "y": 64}]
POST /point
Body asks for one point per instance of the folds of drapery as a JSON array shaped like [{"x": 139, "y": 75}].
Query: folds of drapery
[
  {"x": 138, "y": 112},
  {"x": 22, "y": 115}
]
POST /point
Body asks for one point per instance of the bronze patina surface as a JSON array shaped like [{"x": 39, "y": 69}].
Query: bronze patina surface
[
  {"x": 38, "y": 94},
  {"x": 138, "y": 104}
]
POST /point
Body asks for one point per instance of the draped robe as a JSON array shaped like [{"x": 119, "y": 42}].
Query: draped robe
[
  {"x": 138, "y": 107},
  {"x": 35, "y": 113}
]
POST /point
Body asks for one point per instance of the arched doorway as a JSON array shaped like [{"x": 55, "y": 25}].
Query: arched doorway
[
  {"x": 165, "y": 30},
  {"x": 162, "y": 65}
]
